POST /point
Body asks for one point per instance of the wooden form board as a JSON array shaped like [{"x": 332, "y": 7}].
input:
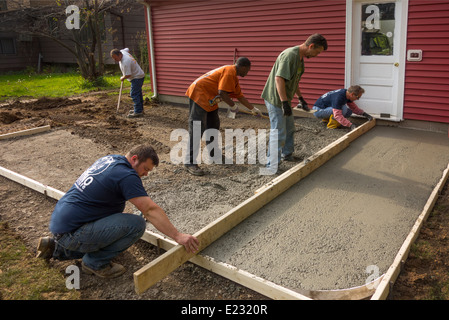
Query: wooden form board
[
  {"x": 25, "y": 132},
  {"x": 156, "y": 270},
  {"x": 263, "y": 286},
  {"x": 392, "y": 273},
  {"x": 33, "y": 184}
]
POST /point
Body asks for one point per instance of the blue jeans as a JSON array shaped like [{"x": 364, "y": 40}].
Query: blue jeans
[
  {"x": 136, "y": 94},
  {"x": 327, "y": 112},
  {"x": 285, "y": 129},
  {"x": 99, "y": 241}
]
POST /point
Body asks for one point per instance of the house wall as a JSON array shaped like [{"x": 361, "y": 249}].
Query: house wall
[
  {"x": 53, "y": 52},
  {"x": 427, "y": 81},
  {"x": 26, "y": 53},
  {"x": 25, "y": 48},
  {"x": 191, "y": 38},
  {"x": 129, "y": 25},
  {"x": 126, "y": 26}
]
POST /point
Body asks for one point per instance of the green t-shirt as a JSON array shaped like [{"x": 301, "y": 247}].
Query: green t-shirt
[{"x": 288, "y": 66}]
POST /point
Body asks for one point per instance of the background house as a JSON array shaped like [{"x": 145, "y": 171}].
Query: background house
[
  {"x": 18, "y": 51},
  {"x": 395, "y": 49}
]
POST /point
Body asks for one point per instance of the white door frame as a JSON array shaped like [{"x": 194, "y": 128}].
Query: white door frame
[{"x": 399, "y": 100}]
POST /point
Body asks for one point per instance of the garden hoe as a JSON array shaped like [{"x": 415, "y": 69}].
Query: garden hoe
[{"x": 119, "y": 96}]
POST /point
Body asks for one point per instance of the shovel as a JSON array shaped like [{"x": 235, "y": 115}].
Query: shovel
[{"x": 119, "y": 96}]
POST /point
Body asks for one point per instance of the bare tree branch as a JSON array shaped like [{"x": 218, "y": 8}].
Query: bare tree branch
[{"x": 48, "y": 21}]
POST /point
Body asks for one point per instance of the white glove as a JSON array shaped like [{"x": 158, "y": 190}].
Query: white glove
[
  {"x": 256, "y": 112},
  {"x": 234, "y": 109}
]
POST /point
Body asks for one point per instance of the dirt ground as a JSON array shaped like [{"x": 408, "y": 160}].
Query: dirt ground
[{"x": 87, "y": 127}]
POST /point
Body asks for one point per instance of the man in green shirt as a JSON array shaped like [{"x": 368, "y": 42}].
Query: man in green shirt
[{"x": 280, "y": 89}]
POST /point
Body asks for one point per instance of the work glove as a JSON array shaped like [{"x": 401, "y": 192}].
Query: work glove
[
  {"x": 256, "y": 112},
  {"x": 303, "y": 104},
  {"x": 287, "y": 110},
  {"x": 366, "y": 115},
  {"x": 234, "y": 108},
  {"x": 353, "y": 127}
]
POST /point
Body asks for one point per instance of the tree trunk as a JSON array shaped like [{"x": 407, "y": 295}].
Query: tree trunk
[{"x": 99, "y": 43}]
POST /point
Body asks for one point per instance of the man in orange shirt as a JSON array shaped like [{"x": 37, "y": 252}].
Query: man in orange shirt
[{"x": 222, "y": 82}]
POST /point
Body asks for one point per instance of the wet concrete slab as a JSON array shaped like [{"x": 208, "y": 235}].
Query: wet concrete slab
[{"x": 347, "y": 220}]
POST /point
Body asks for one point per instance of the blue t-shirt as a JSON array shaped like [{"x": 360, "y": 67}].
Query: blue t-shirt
[
  {"x": 100, "y": 191},
  {"x": 335, "y": 99}
]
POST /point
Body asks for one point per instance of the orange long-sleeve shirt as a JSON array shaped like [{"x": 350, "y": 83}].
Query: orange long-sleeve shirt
[{"x": 206, "y": 87}]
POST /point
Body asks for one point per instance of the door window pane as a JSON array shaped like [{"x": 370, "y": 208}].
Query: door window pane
[{"x": 378, "y": 29}]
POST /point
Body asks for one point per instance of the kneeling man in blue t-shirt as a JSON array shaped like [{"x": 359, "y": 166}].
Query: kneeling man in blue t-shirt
[
  {"x": 88, "y": 221},
  {"x": 335, "y": 107}
]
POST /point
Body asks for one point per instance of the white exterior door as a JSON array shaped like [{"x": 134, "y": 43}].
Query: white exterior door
[{"x": 376, "y": 45}]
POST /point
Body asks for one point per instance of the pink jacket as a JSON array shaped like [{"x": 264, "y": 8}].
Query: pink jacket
[{"x": 338, "y": 114}]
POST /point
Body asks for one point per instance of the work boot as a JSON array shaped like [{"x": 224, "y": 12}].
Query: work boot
[
  {"x": 45, "y": 248},
  {"x": 135, "y": 115},
  {"x": 333, "y": 124},
  {"x": 194, "y": 169},
  {"x": 112, "y": 270},
  {"x": 289, "y": 157}
]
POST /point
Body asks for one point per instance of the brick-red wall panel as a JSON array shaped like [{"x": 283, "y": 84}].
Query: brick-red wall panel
[
  {"x": 193, "y": 37},
  {"x": 426, "y": 93}
]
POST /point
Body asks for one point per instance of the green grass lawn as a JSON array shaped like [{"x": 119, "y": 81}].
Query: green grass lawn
[
  {"x": 21, "y": 84},
  {"x": 25, "y": 277}
]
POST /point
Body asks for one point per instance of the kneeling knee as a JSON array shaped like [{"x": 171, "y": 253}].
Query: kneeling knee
[{"x": 140, "y": 224}]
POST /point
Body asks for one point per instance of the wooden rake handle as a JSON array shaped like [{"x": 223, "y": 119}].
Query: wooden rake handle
[{"x": 119, "y": 96}]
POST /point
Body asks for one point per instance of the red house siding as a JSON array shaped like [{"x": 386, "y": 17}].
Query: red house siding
[
  {"x": 191, "y": 38},
  {"x": 426, "y": 95}
]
